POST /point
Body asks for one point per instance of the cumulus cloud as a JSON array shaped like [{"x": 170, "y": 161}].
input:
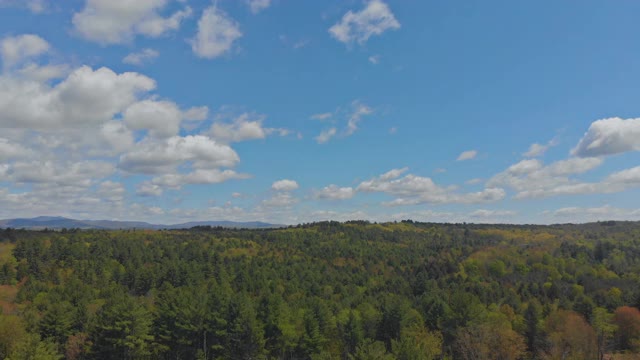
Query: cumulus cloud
[
  {"x": 161, "y": 118},
  {"x": 65, "y": 132},
  {"x": 111, "y": 191},
  {"x": 68, "y": 173},
  {"x": 86, "y": 97},
  {"x": 156, "y": 156},
  {"x": 43, "y": 73},
  {"x": 493, "y": 214},
  {"x": 334, "y": 192},
  {"x": 285, "y": 185},
  {"x": 583, "y": 214},
  {"x": 257, "y": 6},
  {"x": 532, "y": 179},
  {"x": 393, "y": 174},
  {"x": 216, "y": 34},
  {"x": 281, "y": 199},
  {"x": 412, "y": 190},
  {"x": 467, "y": 155},
  {"x": 198, "y": 176},
  {"x": 374, "y": 59},
  {"x": 10, "y": 150},
  {"x": 243, "y": 127},
  {"x": 608, "y": 137},
  {"x": 119, "y": 21},
  {"x": 141, "y": 57},
  {"x": 15, "y": 49},
  {"x": 147, "y": 188},
  {"x": 473, "y": 181},
  {"x": 374, "y": 19}
]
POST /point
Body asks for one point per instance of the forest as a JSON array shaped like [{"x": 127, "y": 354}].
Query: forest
[{"x": 329, "y": 290}]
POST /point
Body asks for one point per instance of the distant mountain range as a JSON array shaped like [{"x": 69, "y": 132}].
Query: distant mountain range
[{"x": 57, "y": 222}]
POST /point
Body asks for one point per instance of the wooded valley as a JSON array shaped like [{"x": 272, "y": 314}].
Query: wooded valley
[{"x": 328, "y": 290}]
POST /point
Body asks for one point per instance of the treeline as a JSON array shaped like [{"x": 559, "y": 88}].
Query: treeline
[{"x": 329, "y": 290}]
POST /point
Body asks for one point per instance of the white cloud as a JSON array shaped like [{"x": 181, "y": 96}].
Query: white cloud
[
  {"x": 149, "y": 189},
  {"x": 198, "y": 176},
  {"x": 467, "y": 155},
  {"x": 161, "y": 118},
  {"x": 285, "y": 185},
  {"x": 61, "y": 141},
  {"x": 162, "y": 156},
  {"x": 216, "y": 34},
  {"x": 374, "y": 59},
  {"x": 79, "y": 173},
  {"x": 141, "y": 57},
  {"x": 300, "y": 44},
  {"x": 628, "y": 176},
  {"x": 242, "y": 128},
  {"x": 584, "y": 214},
  {"x": 536, "y": 149},
  {"x": 43, "y": 73},
  {"x": 333, "y": 192},
  {"x": 353, "y": 116},
  {"x": 117, "y": 136},
  {"x": 494, "y": 214},
  {"x": 322, "y": 116},
  {"x": 282, "y": 199},
  {"x": 393, "y": 174},
  {"x": 608, "y": 137},
  {"x": 35, "y": 6},
  {"x": 531, "y": 179},
  {"x": 258, "y": 5},
  {"x": 374, "y": 19},
  {"x": 15, "y": 49},
  {"x": 413, "y": 190},
  {"x": 112, "y": 191},
  {"x": 119, "y": 21},
  {"x": 85, "y": 98},
  {"x": 326, "y": 135},
  {"x": 197, "y": 113},
  {"x": 473, "y": 181},
  {"x": 11, "y": 150},
  {"x": 359, "y": 110}
]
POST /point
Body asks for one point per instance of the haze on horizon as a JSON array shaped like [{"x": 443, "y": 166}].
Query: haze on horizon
[{"x": 286, "y": 112}]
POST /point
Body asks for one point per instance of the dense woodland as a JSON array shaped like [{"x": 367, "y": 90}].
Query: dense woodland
[{"x": 330, "y": 290}]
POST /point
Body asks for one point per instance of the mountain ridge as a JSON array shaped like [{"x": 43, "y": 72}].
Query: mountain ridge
[{"x": 60, "y": 222}]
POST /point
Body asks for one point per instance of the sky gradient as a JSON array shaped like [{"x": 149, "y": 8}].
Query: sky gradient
[{"x": 291, "y": 111}]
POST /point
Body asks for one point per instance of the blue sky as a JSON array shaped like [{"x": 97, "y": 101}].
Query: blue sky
[{"x": 294, "y": 111}]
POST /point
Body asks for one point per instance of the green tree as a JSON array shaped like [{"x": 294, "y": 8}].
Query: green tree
[
  {"x": 123, "y": 329},
  {"x": 245, "y": 335},
  {"x": 602, "y": 324},
  {"x": 532, "y": 330},
  {"x": 57, "y": 322},
  {"x": 372, "y": 350},
  {"x": 32, "y": 348},
  {"x": 11, "y": 333},
  {"x": 416, "y": 343}
]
